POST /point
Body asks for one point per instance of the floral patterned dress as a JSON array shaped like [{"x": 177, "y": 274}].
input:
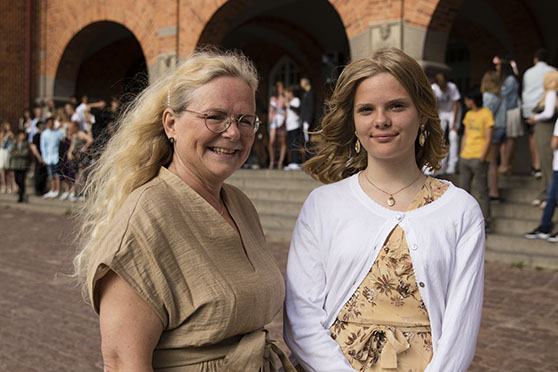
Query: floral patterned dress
[{"x": 384, "y": 326}]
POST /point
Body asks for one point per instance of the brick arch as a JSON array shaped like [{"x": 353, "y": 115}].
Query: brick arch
[
  {"x": 518, "y": 19},
  {"x": 82, "y": 67},
  {"x": 66, "y": 18}
]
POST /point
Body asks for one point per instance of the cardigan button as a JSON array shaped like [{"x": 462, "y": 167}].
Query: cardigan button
[
  {"x": 414, "y": 247},
  {"x": 421, "y": 284},
  {"x": 399, "y": 217}
]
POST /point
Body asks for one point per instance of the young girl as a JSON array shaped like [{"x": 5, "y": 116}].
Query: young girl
[{"x": 385, "y": 268}]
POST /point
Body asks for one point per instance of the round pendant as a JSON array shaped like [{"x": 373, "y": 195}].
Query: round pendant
[{"x": 391, "y": 201}]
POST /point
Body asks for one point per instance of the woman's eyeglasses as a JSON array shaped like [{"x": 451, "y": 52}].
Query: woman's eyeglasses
[{"x": 219, "y": 121}]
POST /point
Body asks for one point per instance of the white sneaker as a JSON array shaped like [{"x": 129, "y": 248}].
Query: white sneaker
[
  {"x": 65, "y": 195},
  {"x": 55, "y": 194},
  {"x": 292, "y": 166},
  {"x": 49, "y": 195}
]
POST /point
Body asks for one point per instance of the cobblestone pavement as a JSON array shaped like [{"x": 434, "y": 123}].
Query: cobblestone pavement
[{"x": 45, "y": 326}]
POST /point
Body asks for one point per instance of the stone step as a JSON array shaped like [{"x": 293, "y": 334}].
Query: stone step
[
  {"x": 514, "y": 249},
  {"x": 274, "y": 183},
  {"x": 269, "y": 174},
  {"x": 270, "y": 207},
  {"x": 514, "y": 226},
  {"x": 516, "y": 210},
  {"x": 279, "y": 196},
  {"x": 519, "y": 195}
]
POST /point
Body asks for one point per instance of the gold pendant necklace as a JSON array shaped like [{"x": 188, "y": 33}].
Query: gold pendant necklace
[{"x": 391, "y": 199}]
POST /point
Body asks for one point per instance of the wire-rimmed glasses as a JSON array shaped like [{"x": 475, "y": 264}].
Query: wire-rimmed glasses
[{"x": 219, "y": 121}]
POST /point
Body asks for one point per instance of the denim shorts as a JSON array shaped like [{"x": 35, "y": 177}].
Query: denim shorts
[
  {"x": 52, "y": 170},
  {"x": 499, "y": 135}
]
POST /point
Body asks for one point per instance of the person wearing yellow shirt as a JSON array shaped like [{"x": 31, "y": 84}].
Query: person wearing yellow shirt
[{"x": 475, "y": 150}]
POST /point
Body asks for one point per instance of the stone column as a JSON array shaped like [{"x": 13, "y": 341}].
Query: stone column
[{"x": 427, "y": 47}]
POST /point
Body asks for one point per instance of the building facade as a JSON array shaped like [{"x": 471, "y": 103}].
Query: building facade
[{"x": 101, "y": 48}]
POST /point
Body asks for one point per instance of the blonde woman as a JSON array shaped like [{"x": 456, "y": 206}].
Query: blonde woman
[
  {"x": 491, "y": 88},
  {"x": 543, "y": 118},
  {"x": 393, "y": 279},
  {"x": 174, "y": 260}
]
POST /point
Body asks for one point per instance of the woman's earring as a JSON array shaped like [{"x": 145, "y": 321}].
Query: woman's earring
[
  {"x": 422, "y": 136},
  {"x": 171, "y": 139},
  {"x": 357, "y": 146}
]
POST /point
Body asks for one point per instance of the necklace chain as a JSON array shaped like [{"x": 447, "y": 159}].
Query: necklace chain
[{"x": 391, "y": 199}]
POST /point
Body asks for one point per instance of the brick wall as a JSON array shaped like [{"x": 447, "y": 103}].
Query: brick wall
[{"x": 13, "y": 58}]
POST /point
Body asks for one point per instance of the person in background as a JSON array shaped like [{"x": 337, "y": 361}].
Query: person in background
[
  {"x": 173, "y": 259},
  {"x": 491, "y": 88},
  {"x": 447, "y": 98},
  {"x": 294, "y": 128},
  {"x": 37, "y": 117},
  {"x": 543, "y": 231},
  {"x": 385, "y": 269},
  {"x": 276, "y": 117},
  {"x": 531, "y": 95},
  {"x": 307, "y": 112},
  {"x": 50, "y": 143},
  {"x": 40, "y": 176},
  {"x": 514, "y": 126},
  {"x": 475, "y": 151},
  {"x": 20, "y": 157},
  {"x": 79, "y": 158},
  {"x": 543, "y": 117},
  {"x": 7, "y": 181},
  {"x": 24, "y": 121},
  {"x": 49, "y": 109}
]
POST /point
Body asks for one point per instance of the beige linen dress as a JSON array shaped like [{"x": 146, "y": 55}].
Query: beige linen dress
[
  {"x": 385, "y": 326},
  {"x": 212, "y": 289}
]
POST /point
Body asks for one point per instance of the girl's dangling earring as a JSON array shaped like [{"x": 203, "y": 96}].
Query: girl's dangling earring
[
  {"x": 422, "y": 136},
  {"x": 357, "y": 146}
]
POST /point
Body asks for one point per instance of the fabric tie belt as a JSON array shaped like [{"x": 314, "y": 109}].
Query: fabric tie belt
[
  {"x": 252, "y": 352},
  {"x": 393, "y": 340}
]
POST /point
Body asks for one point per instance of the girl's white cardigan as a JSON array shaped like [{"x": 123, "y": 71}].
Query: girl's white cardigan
[{"x": 337, "y": 237}]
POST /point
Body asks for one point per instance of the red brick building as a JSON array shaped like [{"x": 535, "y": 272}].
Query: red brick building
[{"x": 59, "y": 48}]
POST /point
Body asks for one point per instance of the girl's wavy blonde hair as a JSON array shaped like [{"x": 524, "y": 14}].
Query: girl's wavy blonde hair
[
  {"x": 140, "y": 146},
  {"x": 336, "y": 157}
]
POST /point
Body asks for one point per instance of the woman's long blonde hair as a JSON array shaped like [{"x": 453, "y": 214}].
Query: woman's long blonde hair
[
  {"x": 491, "y": 82},
  {"x": 140, "y": 146},
  {"x": 336, "y": 157}
]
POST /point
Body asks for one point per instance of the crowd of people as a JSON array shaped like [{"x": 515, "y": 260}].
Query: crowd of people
[
  {"x": 57, "y": 144},
  {"x": 291, "y": 119},
  {"x": 499, "y": 111}
]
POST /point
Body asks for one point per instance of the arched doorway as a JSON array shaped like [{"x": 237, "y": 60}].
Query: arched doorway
[
  {"x": 270, "y": 31},
  {"x": 104, "y": 59},
  {"x": 287, "y": 40}
]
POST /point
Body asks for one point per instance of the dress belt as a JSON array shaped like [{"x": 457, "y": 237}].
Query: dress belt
[
  {"x": 396, "y": 343},
  {"x": 251, "y": 352},
  {"x": 254, "y": 354}
]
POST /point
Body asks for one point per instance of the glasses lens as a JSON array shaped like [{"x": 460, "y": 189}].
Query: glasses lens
[
  {"x": 246, "y": 125},
  {"x": 218, "y": 121}
]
